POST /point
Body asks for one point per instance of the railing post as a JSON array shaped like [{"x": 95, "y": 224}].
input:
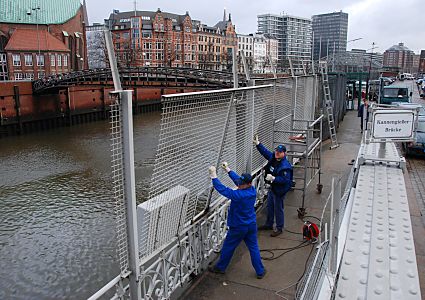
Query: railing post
[
  {"x": 130, "y": 193},
  {"x": 234, "y": 69},
  {"x": 18, "y": 108}
]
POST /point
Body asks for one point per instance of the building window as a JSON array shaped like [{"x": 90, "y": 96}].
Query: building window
[
  {"x": 16, "y": 61},
  {"x": 41, "y": 75},
  {"x": 29, "y": 76},
  {"x": 52, "y": 60},
  {"x": 59, "y": 60},
  {"x": 65, "y": 60},
  {"x": 28, "y": 59},
  {"x": 40, "y": 60},
  {"x": 19, "y": 76}
]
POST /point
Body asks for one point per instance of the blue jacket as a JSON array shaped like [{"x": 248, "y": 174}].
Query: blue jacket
[
  {"x": 241, "y": 211},
  {"x": 283, "y": 172}
]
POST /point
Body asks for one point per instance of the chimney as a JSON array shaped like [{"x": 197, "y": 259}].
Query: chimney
[
  {"x": 230, "y": 17},
  {"x": 224, "y": 15}
]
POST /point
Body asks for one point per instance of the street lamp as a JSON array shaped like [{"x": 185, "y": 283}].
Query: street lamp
[
  {"x": 370, "y": 67},
  {"x": 29, "y": 13},
  {"x": 338, "y": 58}
]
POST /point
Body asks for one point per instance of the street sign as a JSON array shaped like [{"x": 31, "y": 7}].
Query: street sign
[{"x": 393, "y": 125}]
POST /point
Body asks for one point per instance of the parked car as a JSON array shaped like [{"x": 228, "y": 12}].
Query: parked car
[{"x": 417, "y": 147}]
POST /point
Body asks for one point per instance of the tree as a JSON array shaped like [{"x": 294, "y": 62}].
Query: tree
[{"x": 96, "y": 50}]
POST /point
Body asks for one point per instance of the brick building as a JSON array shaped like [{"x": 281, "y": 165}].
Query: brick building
[
  {"x": 145, "y": 38},
  {"x": 422, "y": 63},
  {"x": 399, "y": 58},
  {"x": 41, "y": 39}
]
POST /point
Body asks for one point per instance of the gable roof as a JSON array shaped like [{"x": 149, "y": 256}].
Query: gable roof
[
  {"x": 28, "y": 40},
  {"x": 117, "y": 17},
  {"x": 51, "y": 11}
]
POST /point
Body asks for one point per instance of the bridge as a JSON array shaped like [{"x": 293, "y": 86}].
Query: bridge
[
  {"x": 139, "y": 76},
  {"x": 169, "y": 248}
]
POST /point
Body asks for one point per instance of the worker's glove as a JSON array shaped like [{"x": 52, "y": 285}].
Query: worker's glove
[
  {"x": 213, "y": 172},
  {"x": 255, "y": 140},
  {"x": 270, "y": 177},
  {"x": 225, "y": 166}
]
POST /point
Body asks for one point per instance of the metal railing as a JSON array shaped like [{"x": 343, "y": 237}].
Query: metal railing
[
  {"x": 184, "y": 220},
  {"x": 215, "y": 78}
]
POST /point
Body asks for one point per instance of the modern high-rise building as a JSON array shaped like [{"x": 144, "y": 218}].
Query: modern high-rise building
[
  {"x": 294, "y": 36},
  {"x": 330, "y": 34}
]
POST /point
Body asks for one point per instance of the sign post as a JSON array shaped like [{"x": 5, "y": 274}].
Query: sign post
[{"x": 392, "y": 124}]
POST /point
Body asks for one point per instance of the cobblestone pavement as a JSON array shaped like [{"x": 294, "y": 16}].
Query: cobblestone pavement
[{"x": 416, "y": 169}]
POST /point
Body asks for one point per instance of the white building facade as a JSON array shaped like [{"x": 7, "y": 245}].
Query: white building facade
[{"x": 261, "y": 52}]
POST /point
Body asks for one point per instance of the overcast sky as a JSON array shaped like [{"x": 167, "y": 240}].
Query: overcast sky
[{"x": 385, "y": 22}]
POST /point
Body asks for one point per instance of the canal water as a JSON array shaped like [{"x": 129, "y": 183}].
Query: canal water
[{"x": 57, "y": 234}]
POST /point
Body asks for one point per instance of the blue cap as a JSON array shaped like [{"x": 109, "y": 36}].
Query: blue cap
[
  {"x": 280, "y": 148},
  {"x": 245, "y": 179}
]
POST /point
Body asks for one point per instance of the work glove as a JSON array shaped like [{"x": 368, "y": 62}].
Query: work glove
[
  {"x": 213, "y": 172},
  {"x": 255, "y": 140},
  {"x": 270, "y": 177},
  {"x": 225, "y": 166}
]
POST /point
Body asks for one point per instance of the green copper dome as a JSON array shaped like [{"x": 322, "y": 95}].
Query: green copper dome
[{"x": 50, "y": 12}]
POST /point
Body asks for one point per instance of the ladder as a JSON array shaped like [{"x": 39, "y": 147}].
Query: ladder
[{"x": 323, "y": 66}]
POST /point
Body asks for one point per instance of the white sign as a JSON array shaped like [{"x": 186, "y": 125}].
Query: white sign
[{"x": 393, "y": 124}]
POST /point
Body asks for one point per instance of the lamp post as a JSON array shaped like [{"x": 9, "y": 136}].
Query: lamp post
[
  {"x": 370, "y": 67},
  {"x": 29, "y": 13},
  {"x": 338, "y": 55}
]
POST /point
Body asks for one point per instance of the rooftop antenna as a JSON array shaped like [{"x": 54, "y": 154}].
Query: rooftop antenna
[{"x": 135, "y": 8}]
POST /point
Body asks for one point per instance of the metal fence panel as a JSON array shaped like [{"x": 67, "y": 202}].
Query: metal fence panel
[
  {"x": 203, "y": 129},
  {"x": 117, "y": 164}
]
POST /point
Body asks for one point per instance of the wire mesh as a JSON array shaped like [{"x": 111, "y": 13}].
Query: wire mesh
[
  {"x": 203, "y": 129},
  {"x": 117, "y": 164},
  {"x": 160, "y": 219},
  {"x": 313, "y": 276},
  {"x": 280, "y": 113}
]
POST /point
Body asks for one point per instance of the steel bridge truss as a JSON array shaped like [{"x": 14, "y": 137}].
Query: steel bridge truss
[
  {"x": 146, "y": 76},
  {"x": 184, "y": 220}
]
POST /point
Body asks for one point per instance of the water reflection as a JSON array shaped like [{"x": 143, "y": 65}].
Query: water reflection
[{"x": 57, "y": 238}]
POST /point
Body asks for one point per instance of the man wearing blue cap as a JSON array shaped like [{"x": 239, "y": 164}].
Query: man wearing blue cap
[
  {"x": 279, "y": 175},
  {"x": 241, "y": 220}
]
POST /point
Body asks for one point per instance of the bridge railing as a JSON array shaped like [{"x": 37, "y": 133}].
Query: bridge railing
[
  {"x": 184, "y": 220},
  {"x": 222, "y": 79}
]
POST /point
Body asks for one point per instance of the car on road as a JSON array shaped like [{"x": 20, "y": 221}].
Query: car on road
[{"x": 395, "y": 93}]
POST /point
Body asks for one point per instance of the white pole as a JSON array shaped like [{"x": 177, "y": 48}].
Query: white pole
[
  {"x": 320, "y": 48},
  {"x": 234, "y": 69},
  {"x": 112, "y": 60},
  {"x": 130, "y": 194},
  {"x": 129, "y": 180}
]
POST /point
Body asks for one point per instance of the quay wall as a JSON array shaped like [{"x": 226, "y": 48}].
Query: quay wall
[{"x": 22, "y": 112}]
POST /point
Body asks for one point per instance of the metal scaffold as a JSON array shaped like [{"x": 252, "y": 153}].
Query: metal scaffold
[{"x": 298, "y": 126}]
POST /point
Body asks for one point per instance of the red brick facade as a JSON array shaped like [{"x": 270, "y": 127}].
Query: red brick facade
[
  {"x": 163, "y": 39},
  {"x": 67, "y": 53}
]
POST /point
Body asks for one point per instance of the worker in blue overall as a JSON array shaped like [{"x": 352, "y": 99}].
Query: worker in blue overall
[
  {"x": 241, "y": 220},
  {"x": 279, "y": 175}
]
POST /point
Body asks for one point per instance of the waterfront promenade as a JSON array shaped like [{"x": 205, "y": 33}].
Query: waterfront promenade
[{"x": 284, "y": 272}]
